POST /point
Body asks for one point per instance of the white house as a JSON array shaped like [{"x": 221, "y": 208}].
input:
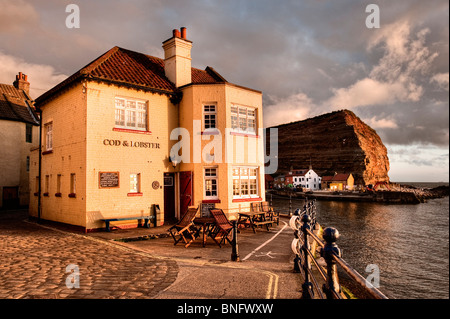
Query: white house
[{"x": 306, "y": 178}]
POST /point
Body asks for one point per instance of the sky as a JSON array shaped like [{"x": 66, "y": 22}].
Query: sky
[{"x": 308, "y": 58}]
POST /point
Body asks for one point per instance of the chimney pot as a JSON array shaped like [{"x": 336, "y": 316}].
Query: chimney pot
[
  {"x": 183, "y": 33},
  {"x": 22, "y": 83},
  {"x": 176, "y": 33}
]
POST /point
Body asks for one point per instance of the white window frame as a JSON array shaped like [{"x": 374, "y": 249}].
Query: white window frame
[
  {"x": 209, "y": 114},
  {"x": 49, "y": 136},
  {"x": 243, "y": 115},
  {"x": 135, "y": 183},
  {"x": 245, "y": 177},
  {"x": 211, "y": 174},
  {"x": 131, "y": 114}
]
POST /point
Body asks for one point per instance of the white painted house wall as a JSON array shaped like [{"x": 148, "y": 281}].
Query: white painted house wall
[{"x": 310, "y": 180}]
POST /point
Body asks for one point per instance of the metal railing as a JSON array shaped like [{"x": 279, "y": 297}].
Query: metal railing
[{"x": 304, "y": 245}]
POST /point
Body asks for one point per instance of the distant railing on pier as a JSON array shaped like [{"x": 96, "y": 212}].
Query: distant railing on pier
[{"x": 304, "y": 245}]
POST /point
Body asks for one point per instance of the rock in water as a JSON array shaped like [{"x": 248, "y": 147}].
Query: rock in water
[{"x": 333, "y": 142}]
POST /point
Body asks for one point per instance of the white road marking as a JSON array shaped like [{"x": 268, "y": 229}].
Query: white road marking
[{"x": 266, "y": 242}]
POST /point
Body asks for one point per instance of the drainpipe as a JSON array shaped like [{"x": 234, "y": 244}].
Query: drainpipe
[{"x": 40, "y": 165}]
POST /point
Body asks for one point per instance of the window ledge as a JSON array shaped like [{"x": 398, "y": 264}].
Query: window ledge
[
  {"x": 211, "y": 132},
  {"x": 134, "y": 194},
  {"x": 249, "y": 199},
  {"x": 36, "y": 194},
  {"x": 58, "y": 195},
  {"x": 72, "y": 195},
  {"x": 45, "y": 194},
  {"x": 244, "y": 134},
  {"x": 127, "y": 130},
  {"x": 211, "y": 201},
  {"x": 47, "y": 152}
]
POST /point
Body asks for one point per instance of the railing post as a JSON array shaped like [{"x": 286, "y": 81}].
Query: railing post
[
  {"x": 234, "y": 245},
  {"x": 290, "y": 205},
  {"x": 332, "y": 287},
  {"x": 307, "y": 292},
  {"x": 297, "y": 237}
]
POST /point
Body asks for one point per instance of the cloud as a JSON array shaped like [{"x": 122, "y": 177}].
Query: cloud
[
  {"x": 376, "y": 123},
  {"x": 284, "y": 110},
  {"x": 41, "y": 77},
  {"x": 397, "y": 76},
  {"x": 17, "y": 17},
  {"x": 418, "y": 162},
  {"x": 441, "y": 79}
]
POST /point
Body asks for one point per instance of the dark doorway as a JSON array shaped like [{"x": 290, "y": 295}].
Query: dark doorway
[
  {"x": 169, "y": 198},
  {"x": 10, "y": 197},
  {"x": 186, "y": 192}
]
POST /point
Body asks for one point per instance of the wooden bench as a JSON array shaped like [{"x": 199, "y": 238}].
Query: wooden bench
[
  {"x": 139, "y": 218},
  {"x": 254, "y": 219}
]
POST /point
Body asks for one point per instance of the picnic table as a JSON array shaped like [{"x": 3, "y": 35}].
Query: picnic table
[
  {"x": 255, "y": 219},
  {"x": 205, "y": 223}
]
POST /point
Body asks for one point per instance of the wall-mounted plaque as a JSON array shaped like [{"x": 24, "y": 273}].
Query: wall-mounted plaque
[
  {"x": 108, "y": 179},
  {"x": 155, "y": 185}
]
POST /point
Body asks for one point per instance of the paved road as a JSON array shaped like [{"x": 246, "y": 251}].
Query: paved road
[{"x": 34, "y": 260}]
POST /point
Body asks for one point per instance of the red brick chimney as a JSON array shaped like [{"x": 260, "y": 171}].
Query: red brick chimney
[{"x": 21, "y": 82}]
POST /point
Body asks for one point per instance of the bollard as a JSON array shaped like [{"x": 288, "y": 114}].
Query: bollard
[
  {"x": 234, "y": 244},
  {"x": 332, "y": 287},
  {"x": 307, "y": 292}
]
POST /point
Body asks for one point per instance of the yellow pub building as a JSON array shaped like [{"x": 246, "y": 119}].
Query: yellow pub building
[{"x": 133, "y": 135}]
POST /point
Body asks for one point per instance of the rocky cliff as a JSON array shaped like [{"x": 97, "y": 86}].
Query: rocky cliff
[{"x": 333, "y": 142}]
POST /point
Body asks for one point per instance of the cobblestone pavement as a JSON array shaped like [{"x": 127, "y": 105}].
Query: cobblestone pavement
[{"x": 33, "y": 261}]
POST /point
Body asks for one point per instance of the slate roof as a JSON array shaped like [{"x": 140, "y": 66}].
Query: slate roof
[
  {"x": 16, "y": 105},
  {"x": 129, "y": 68}
]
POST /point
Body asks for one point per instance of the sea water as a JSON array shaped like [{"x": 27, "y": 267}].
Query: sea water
[{"x": 408, "y": 243}]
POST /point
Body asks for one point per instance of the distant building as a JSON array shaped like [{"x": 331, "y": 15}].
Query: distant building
[
  {"x": 19, "y": 132},
  {"x": 305, "y": 178},
  {"x": 268, "y": 181},
  {"x": 342, "y": 181},
  {"x": 278, "y": 181}
]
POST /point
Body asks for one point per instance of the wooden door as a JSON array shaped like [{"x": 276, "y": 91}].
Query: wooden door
[
  {"x": 169, "y": 197},
  {"x": 186, "y": 192}
]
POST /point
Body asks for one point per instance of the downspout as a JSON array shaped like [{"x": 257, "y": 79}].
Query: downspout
[{"x": 40, "y": 165}]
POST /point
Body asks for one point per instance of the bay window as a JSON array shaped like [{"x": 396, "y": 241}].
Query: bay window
[
  {"x": 245, "y": 182},
  {"x": 243, "y": 119}
]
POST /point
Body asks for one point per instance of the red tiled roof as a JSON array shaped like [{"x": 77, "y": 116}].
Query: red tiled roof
[
  {"x": 341, "y": 177},
  {"x": 337, "y": 177},
  {"x": 14, "y": 106},
  {"x": 130, "y": 68}
]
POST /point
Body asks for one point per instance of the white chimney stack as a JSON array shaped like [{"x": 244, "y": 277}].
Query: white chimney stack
[{"x": 177, "y": 58}]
